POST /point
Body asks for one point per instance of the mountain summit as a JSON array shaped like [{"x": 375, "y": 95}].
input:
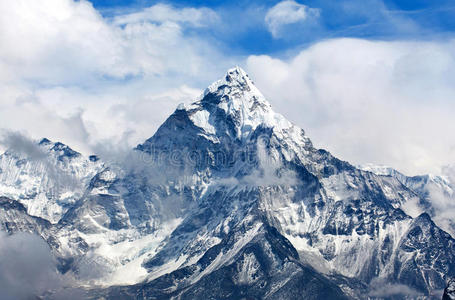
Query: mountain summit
[
  {"x": 229, "y": 200},
  {"x": 235, "y": 99}
]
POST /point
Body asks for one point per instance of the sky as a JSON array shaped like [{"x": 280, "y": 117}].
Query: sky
[{"x": 372, "y": 81}]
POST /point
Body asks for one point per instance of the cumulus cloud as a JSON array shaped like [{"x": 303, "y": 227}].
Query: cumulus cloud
[
  {"x": 69, "y": 42},
  {"x": 56, "y": 42},
  {"x": 70, "y": 74},
  {"x": 42, "y": 113},
  {"x": 288, "y": 12},
  {"x": 387, "y": 103}
]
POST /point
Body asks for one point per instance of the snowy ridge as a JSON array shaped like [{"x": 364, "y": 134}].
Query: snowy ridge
[
  {"x": 238, "y": 97},
  {"x": 437, "y": 195},
  {"x": 49, "y": 184}
]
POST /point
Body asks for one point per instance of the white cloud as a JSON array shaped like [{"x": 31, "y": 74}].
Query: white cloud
[
  {"x": 21, "y": 145},
  {"x": 69, "y": 74},
  {"x": 288, "y": 12},
  {"x": 69, "y": 42},
  {"x": 56, "y": 42},
  {"x": 27, "y": 268},
  {"x": 201, "y": 17},
  {"x": 449, "y": 172},
  {"x": 388, "y": 103},
  {"x": 442, "y": 197},
  {"x": 381, "y": 290}
]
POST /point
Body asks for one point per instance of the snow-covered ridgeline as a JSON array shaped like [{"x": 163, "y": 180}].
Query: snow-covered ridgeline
[{"x": 48, "y": 184}]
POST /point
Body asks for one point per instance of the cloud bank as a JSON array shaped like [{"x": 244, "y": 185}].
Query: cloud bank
[
  {"x": 70, "y": 74},
  {"x": 27, "y": 268},
  {"x": 388, "y": 103}
]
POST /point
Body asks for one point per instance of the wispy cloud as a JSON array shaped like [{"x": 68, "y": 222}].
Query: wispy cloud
[
  {"x": 19, "y": 144},
  {"x": 381, "y": 290},
  {"x": 160, "y": 13},
  {"x": 28, "y": 270}
]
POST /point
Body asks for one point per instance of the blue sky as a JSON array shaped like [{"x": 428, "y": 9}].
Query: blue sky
[{"x": 242, "y": 29}]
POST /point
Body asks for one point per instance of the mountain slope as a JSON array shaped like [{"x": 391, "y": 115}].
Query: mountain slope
[
  {"x": 48, "y": 181},
  {"x": 449, "y": 292},
  {"x": 229, "y": 199},
  {"x": 14, "y": 218},
  {"x": 436, "y": 195}
]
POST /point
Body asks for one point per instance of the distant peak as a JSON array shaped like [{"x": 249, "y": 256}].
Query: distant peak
[
  {"x": 93, "y": 158},
  {"x": 423, "y": 218},
  {"x": 58, "y": 147},
  {"x": 45, "y": 141}
]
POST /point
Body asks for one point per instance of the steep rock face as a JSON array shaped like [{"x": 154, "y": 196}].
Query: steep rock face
[
  {"x": 48, "y": 182},
  {"x": 449, "y": 292},
  {"x": 265, "y": 266},
  {"x": 14, "y": 218},
  {"x": 349, "y": 221},
  {"x": 426, "y": 253}
]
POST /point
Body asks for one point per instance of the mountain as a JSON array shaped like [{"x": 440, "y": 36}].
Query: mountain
[
  {"x": 16, "y": 219},
  {"x": 436, "y": 195},
  {"x": 48, "y": 181},
  {"x": 229, "y": 200}
]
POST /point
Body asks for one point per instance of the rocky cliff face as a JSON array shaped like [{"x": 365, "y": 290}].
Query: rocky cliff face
[
  {"x": 436, "y": 195},
  {"x": 47, "y": 181},
  {"x": 449, "y": 292}
]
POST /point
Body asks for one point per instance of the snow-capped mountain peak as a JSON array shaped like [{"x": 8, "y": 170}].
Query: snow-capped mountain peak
[
  {"x": 235, "y": 80},
  {"x": 234, "y": 100},
  {"x": 46, "y": 177},
  {"x": 59, "y": 149}
]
